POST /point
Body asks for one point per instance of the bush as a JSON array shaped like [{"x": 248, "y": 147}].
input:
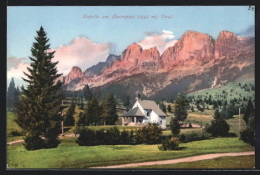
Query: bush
[
  {"x": 16, "y": 133},
  {"x": 175, "y": 126},
  {"x": 169, "y": 144},
  {"x": 132, "y": 138},
  {"x": 150, "y": 134},
  {"x": 193, "y": 137},
  {"x": 52, "y": 142},
  {"x": 33, "y": 142},
  {"x": 125, "y": 137},
  {"x": 90, "y": 137},
  {"x": 113, "y": 136},
  {"x": 218, "y": 127},
  {"x": 248, "y": 136},
  {"x": 101, "y": 137},
  {"x": 87, "y": 137}
]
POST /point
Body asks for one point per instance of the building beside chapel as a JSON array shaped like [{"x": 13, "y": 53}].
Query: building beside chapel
[{"x": 144, "y": 112}]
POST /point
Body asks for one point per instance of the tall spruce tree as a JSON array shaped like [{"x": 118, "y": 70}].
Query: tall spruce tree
[
  {"x": 181, "y": 108},
  {"x": 12, "y": 94},
  {"x": 93, "y": 112},
  {"x": 249, "y": 111},
  {"x": 218, "y": 126},
  {"x": 39, "y": 110},
  {"x": 87, "y": 93},
  {"x": 109, "y": 114},
  {"x": 169, "y": 108},
  {"x": 69, "y": 117}
]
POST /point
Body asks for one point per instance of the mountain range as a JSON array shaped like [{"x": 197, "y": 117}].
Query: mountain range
[{"x": 195, "y": 62}]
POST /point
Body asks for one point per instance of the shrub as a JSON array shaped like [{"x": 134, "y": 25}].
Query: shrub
[
  {"x": 169, "y": 144},
  {"x": 52, "y": 142},
  {"x": 248, "y": 136},
  {"x": 113, "y": 134},
  {"x": 218, "y": 127},
  {"x": 132, "y": 138},
  {"x": 125, "y": 137},
  {"x": 87, "y": 137},
  {"x": 33, "y": 142},
  {"x": 150, "y": 134},
  {"x": 193, "y": 137},
  {"x": 182, "y": 138},
  {"x": 175, "y": 126},
  {"x": 16, "y": 133},
  {"x": 101, "y": 137}
]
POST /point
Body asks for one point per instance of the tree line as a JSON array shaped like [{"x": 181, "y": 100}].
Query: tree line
[{"x": 12, "y": 95}]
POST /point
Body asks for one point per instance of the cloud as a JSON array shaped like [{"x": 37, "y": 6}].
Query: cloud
[
  {"x": 249, "y": 31},
  {"x": 17, "y": 71},
  {"x": 81, "y": 52},
  {"x": 161, "y": 40},
  {"x": 13, "y": 62}
]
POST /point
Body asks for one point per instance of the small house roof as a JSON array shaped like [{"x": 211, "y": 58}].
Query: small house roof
[
  {"x": 133, "y": 112},
  {"x": 149, "y": 104}
]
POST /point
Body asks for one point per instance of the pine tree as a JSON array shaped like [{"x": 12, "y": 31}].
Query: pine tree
[
  {"x": 163, "y": 107},
  {"x": 109, "y": 115},
  {"x": 38, "y": 111},
  {"x": 175, "y": 126},
  {"x": 218, "y": 126},
  {"x": 69, "y": 117},
  {"x": 12, "y": 94},
  {"x": 87, "y": 93},
  {"x": 127, "y": 102},
  {"x": 93, "y": 112},
  {"x": 169, "y": 108},
  {"x": 82, "y": 119},
  {"x": 249, "y": 111},
  {"x": 248, "y": 135},
  {"x": 81, "y": 105},
  {"x": 181, "y": 108}
]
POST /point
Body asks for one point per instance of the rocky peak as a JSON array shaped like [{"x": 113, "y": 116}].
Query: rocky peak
[
  {"x": 74, "y": 73},
  {"x": 133, "y": 52},
  {"x": 192, "y": 45},
  {"x": 150, "y": 54},
  {"x": 226, "y": 35},
  {"x": 150, "y": 59},
  {"x": 111, "y": 58},
  {"x": 227, "y": 42},
  {"x": 99, "y": 68}
]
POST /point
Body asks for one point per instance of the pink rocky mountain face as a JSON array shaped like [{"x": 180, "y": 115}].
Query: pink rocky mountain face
[
  {"x": 192, "y": 45},
  {"x": 194, "y": 54},
  {"x": 75, "y": 72}
]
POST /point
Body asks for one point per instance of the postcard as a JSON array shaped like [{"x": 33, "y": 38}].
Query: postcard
[{"x": 130, "y": 87}]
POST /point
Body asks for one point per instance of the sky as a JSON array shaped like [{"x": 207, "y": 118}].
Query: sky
[{"x": 83, "y": 36}]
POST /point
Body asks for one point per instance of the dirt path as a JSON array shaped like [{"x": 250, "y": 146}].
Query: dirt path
[
  {"x": 13, "y": 142},
  {"x": 180, "y": 160},
  {"x": 20, "y": 141}
]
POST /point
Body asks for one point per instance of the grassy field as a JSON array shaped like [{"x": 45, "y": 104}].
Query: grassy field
[
  {"x": 239, "y": 162},
  {"x": 12, "y": 126},
  {"x": 70, "y": 155}
]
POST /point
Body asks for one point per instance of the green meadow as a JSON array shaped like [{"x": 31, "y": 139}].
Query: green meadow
[
  {"x": 70, "y": 155},
  {"x": 239, "y": 162}
]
